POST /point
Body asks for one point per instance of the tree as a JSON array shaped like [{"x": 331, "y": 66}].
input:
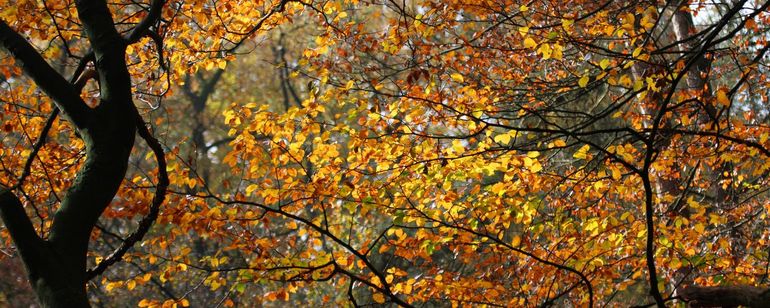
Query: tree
[
  {"x": 57, "y": 265},
  {"x": 464, "y": 152}
]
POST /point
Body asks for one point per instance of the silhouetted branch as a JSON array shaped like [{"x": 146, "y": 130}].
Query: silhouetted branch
[{"x": 157, "y": 200}]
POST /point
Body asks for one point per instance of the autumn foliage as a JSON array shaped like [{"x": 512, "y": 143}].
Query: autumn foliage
[{"x": 346, "y": 153}]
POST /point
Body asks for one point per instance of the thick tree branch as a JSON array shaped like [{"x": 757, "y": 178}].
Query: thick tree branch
[
  {"x": 99, "y": 26},
  {"x": 19, "y": 225},
  {"x": 109, "y": 51},
  {"x": 46, "y": 77},
  {"x": 726, "y": 296},
  {"x": 157, "y": 200},
  {"x": 108, "y": 137}
]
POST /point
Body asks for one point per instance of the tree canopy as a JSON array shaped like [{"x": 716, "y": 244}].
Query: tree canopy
[{"x": 170, "y": 153}]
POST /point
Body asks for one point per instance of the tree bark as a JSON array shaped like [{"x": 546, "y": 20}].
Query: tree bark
[
  {"x": 53, "y": 279},
  {"x": 726, "y": 296},
  {"x": 57, "y": 266}
]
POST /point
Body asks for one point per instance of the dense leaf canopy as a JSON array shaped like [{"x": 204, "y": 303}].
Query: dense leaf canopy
[{"x": 411, "y": 153}]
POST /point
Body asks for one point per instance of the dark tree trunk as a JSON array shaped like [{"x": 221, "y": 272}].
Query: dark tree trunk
[{"x": 57, "y": 266}]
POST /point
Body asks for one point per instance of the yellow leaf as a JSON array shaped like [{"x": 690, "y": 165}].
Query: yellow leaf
[
  {"x": 523, "y": 8},
  {"x": 457, "y": 77},
  {"x": 604, "y": 64},
  {"x": 530, "y": 43},
  {"x": 215, "y": 285},
  {"x": 535, "y": 167},
  {"x": 598, "y": 185},
  {"x": 583, "y": 81},
  {"x": 251, "y": 188},
  {"x": 557, "y": 52},
  {"x": 546, "y": 51},
  {"x": 533, "y": 154},
  {"x": 722, "y": 98},
  {"x": 516, "y": 241},
  {"x": 379, "y": 298},
  {"x": 700, "y": 228},
  {"x": 582, "y": 153},
  {"x": 616, "y": 175},
  {"x": 498, "y": 189},
  {"x": 592, "y": 225},
  {"x": 567, "y": 23},
  {"x": 503, "y": 138},
  {"x": 523, "y": 30},
  {"x": 625, "y": 81},
  {"x": 111, "y": 286}
]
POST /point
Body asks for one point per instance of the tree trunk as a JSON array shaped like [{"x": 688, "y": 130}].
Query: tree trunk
[
  {"x": 57, "y": 266},
  {"x": 56, "y": 282}
]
